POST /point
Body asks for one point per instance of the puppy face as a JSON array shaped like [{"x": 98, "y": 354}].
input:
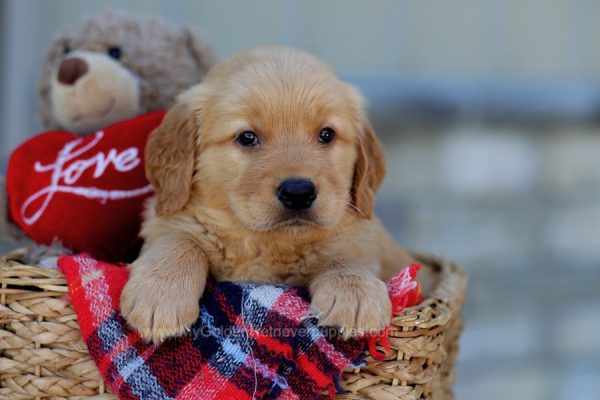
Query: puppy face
[{"x": 271, "y": 138}]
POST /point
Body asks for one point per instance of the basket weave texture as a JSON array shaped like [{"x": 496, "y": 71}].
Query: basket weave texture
[{"x": 42, "y": 355}]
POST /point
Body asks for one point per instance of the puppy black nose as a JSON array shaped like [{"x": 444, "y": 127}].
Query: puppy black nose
[
  {"x": 71, "y": 69},
  {"x": 297, "y": 194}
]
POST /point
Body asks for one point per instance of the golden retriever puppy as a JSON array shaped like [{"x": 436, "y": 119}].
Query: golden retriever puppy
[{"x": 264, "y": 172}]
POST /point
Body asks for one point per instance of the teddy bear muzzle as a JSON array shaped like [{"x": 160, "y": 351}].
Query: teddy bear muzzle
[{"x": 91, "y": 90}]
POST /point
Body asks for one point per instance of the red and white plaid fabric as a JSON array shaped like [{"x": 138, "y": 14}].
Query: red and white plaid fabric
[{"x": 250, "y": 341}]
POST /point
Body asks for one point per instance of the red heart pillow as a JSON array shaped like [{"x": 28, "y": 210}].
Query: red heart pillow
[{"x": 87, "y": 191}]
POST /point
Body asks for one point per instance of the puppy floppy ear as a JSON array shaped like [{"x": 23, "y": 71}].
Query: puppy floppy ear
[
  {"x": 170, "y": 155},
  {"x": 369, "y": 170}
]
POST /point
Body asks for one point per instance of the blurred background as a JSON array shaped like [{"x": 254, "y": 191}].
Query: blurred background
[{"x": 490, "y": 112}]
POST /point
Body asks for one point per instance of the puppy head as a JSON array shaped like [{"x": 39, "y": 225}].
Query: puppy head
[{"x": 272, "y": 138}]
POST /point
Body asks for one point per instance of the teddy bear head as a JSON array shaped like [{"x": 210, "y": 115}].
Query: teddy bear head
[{"x": 112, "y": 66}]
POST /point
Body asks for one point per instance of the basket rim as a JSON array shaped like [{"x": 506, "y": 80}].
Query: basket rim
[
  {"x": 452, "y": 284},
  {"x": 441, "y": 306},
  {"x": 433, "y": 321},
  {"x": 448, "y": 292}
]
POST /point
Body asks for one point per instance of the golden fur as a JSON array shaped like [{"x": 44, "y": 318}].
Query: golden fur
[{"x": 216, "y": 207}]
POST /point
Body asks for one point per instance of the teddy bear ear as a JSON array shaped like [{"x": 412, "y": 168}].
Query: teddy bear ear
[
  {"x": 199, "y": 49},
  {"x": 46, "y": 74}
]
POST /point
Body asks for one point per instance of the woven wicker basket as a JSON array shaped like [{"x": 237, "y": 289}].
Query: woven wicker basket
[{"x": 42, "y": 355}]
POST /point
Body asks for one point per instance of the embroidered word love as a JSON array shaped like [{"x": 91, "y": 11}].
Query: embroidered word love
[{"x": 64, "y": 176}]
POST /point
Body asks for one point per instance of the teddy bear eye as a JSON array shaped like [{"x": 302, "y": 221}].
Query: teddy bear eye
[{"x": 114, "y": 52}]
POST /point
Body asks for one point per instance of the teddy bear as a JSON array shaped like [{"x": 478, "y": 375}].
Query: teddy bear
[
  {"x": 113, "y": 66},
  {"x": 110, "y": 71}
]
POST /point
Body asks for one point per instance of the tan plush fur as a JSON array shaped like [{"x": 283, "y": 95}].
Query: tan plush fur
[
  {"x": 158, "y": 61},
  {"x": 216, "y": 207}
]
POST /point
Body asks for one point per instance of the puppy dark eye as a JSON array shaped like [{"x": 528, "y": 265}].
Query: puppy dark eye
[
  {"x": 66, "y": 49},
  {"x": 247, "y": 138},
  {"x": 326, "y": 135},
  {"x": 114, "y": 52}
]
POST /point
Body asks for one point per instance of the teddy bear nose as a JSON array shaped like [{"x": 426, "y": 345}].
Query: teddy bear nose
[{"x": 71, "y": 69}]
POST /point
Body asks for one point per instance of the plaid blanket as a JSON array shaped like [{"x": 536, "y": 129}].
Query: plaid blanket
[{"x": 250, "y": 341}]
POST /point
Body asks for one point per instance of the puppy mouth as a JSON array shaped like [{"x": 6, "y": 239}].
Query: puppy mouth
[
  {"x": 103, "y": 113},
  {"x": 298, "y": 219},
  {"x": 297, "y": 222},
  {"x": 290, "y": 221}
]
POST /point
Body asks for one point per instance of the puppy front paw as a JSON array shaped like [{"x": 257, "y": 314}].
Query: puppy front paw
[
  {"x": 158, "y": 308},
  {"x": 357, "y": 304}
]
